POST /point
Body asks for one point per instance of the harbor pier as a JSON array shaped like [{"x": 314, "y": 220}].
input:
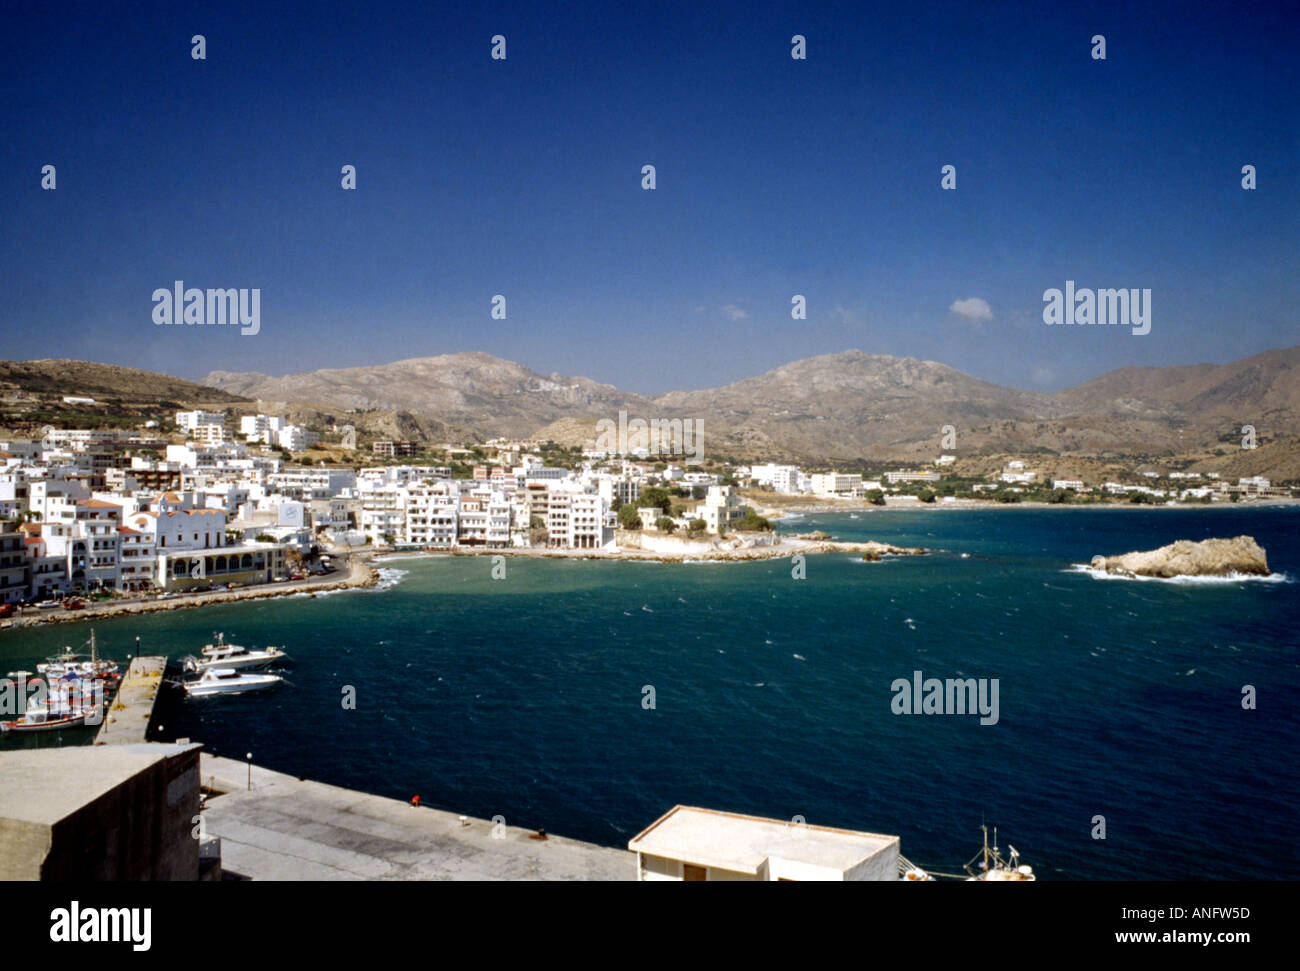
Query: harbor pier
[
  {"x": 129, "y": 715},
  {"x": 277, "y": 827}
]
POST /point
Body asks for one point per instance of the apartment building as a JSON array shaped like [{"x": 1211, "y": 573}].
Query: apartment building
[
  {"x": 137, "y": 566},
  {"x": 14, "y": 567},
  {"x": 395, "y": 449},
  {"x": 432, "y": 515},
  {"x": 190, "y": 421},
  {"x": 575, "y": 520},
  {"x": 311, "y": 484},
  {"x": 836, "y": 484},
  {"x": 908, "y": 475},
  {"x": 261, "y": 428},
  {"x": 295, "y": 438}
]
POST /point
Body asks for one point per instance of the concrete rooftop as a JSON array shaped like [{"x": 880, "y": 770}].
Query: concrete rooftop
[
  {"x": 293, "y": 829},
  {"x": 47, "y": 784},
  {"x": 731, "y": 841}
]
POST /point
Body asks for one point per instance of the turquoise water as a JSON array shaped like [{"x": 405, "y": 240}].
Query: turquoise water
[{"x": 523, "y": 696}]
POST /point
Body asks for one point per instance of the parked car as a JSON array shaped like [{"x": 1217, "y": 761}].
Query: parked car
[
  {"x": 7, "y": 610},
  {"x": 297, "y": 576},
  {"x": 75, "y": 604}
]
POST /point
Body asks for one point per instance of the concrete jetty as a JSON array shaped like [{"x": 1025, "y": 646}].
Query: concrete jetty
[
  {"x": 127, "y": 720},
  {"x": 285, "y": 828}
]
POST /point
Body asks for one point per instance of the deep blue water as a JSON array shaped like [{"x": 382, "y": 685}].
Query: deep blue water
[{"x": 523, "y": 697}]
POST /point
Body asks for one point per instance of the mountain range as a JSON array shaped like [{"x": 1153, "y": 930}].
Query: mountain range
[{"x": 836, "y": 407}]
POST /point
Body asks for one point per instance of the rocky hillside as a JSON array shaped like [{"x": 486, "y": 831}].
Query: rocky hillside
[
  {"x": 850, "y": 406},
  {"x": 472, "y": 389}
]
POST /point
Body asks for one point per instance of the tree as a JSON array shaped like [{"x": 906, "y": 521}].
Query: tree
[
  {"x": 656, "y": 496},
  {"x": 628, "y": 518},
  {"x": 875, "y": 497},
  {"x": 925, "y": 495},
  {"x": 698, "y": 526},
  {"x": 664, "y": 524},
  {"x": 752, "y": 522}
]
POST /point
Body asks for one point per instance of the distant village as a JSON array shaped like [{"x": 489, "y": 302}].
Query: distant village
[{"x": 206, "y": 505}]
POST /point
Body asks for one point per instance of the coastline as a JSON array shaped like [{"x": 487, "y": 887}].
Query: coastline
[
  {"x": 787, "y": 546},
  {"x": 363, "y": 569},
  {"x": 862, "y": 505},
  {"x": 360, "y": 575}
]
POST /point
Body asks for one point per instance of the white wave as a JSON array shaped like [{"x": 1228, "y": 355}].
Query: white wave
[{"x": 1097, "y": 574}]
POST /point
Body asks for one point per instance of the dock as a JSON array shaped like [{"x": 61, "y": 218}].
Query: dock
[
  {"x": 128, "y": 717},
  {"x": 277, "y": 827}
]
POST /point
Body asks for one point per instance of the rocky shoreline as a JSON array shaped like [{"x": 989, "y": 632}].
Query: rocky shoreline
[{"x": 786, "y": 547}]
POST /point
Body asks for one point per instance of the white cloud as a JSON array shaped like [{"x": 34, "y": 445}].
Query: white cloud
[
  {"x": 735, "y": 313},
  {"x": 972, "y": 308},
  {"x": 846, "y": 317}
]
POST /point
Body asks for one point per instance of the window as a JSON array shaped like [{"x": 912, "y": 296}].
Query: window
[{"x": 691, "y": 872}]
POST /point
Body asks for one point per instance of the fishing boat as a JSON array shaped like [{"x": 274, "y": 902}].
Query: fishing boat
[
  {"x": 232, "y": 656},
  {"x": 43, "y": 718},
  {"x": 987, "y": 864},
  {"x": 227, "y": 681},
  {"x": 993, "y": 867},
  {"x": 82, "y": 665}
]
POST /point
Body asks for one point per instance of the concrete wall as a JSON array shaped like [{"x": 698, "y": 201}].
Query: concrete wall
[
  {"x": 881, "y": 866},
  {"x": 140, "y": 829},
  {"x": 656, "y": 542}
]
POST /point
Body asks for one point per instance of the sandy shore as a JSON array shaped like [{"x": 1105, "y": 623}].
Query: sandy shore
[{"x": 359, "y": 574}]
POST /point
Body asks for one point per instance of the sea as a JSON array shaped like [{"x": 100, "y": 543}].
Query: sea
[{"x": 1146, "y": 729}]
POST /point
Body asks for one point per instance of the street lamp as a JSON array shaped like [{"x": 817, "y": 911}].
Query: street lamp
[{"x": 250, "y": 770}]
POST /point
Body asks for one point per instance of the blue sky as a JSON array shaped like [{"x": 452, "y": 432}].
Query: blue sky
[{"x": 775, "y": 177}]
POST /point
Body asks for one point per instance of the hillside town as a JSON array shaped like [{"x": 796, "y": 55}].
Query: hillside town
[{"x": 210, "y": 505}]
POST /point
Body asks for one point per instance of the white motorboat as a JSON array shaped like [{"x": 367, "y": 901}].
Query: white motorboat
[
  {"x": 227, "y": 681},
  {"x": 232, "y": 656}
]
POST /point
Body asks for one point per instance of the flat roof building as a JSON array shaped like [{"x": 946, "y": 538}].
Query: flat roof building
[
  {"x": 688, "y": 843},
  {"x": 111, "y": 812}
]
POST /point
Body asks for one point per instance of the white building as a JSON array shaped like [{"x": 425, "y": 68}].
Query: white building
[
  {"x": 295, "y": 438},
  {"x": 836, "y": 483},
  {"x": 190, "y": 421},
  {"x": 693, "y": 844},
  {"x": 721, "y": 508},
  {"x": 261, "y": 428},
  {"x": 906, "y": 475},
  {"x": 575, "y": 520}
]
